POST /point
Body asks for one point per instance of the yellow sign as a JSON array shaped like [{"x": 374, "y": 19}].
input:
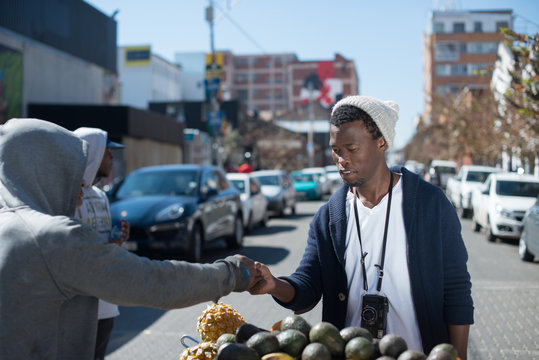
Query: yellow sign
[
  {"x": 214, "y": 66},
  {"x": 137, "y": 55}
]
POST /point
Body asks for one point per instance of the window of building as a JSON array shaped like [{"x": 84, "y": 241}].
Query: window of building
[
  {"x": 482, "y": 47},
  {"x": 256, "y": 78},
  {"x": 501, "y": 24},
  {"x": 478, "y": 26},
  {"x": 254, "y": 61},
  {"x": 438, "y": 27},
  {"x": 242, "y": 61},
  {"x": 442, "y": 70},
  {"x": 446, "y": 51},
  {"x": 459, "y": 69},
  {"x": 243, "y": 95},
  {"x": 255, "y": 93},
  {"x": 241, "y": 78},
  {"x": 458, "y": 27}
]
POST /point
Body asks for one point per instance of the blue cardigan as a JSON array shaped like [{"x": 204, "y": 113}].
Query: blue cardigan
[{"x": 441, "y": 287}]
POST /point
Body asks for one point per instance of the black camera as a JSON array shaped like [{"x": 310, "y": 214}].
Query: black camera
[{"x": 374, "y": 314}]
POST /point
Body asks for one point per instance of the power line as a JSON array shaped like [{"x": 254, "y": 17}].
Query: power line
[{"x": 249, "y": 37}]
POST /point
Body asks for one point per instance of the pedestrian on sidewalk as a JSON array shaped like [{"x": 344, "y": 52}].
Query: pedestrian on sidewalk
[
  {"x": 95, "y": 211},
  {"x": 53, "y": 268},
  {"x": 386, "y": 239}
]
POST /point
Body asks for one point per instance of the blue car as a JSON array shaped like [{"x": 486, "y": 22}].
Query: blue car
[
  {"x": 178, "y": 208},
  {"x": 307, "y": 185}
]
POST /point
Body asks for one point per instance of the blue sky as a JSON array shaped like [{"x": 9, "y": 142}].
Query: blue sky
[{"x": 384, "y": 38}]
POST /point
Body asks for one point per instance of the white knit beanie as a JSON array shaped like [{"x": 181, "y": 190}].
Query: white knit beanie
[{"x": 384, "y": 113}]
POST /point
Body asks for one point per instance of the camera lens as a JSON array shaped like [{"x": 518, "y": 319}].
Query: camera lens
[{"x": 369, "y": 315}]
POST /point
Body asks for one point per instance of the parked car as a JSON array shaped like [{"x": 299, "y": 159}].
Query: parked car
[
  {"x": 307, "y": 185},
  {"x": 178, "y": 208},
  {"x": 321, "y": 176},
  {"x": 439, "y": 171},
  {"x": 334, "y": 178},
  {"x": 459, "y": 189},
  {"x": 500, "y": 204},
  {"x": 277, "y": 187},
  {"x": 528, "y": 245},
  {"x": 254, "y": 203}
]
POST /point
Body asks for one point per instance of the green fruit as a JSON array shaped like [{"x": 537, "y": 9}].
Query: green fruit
[
  {"x": 225, "y": 338},
  {"x": 296, "y": 322},
  {"x": 440, "y": 354},
  {"x": 447, "y": 348},
  {"x": 233, "y": 351},
  {"x": 245, "y": 331},
  {"x": 327, "y": 334},
  {"x": 358, "y": 348},
  {"x": 392, "y": 345},
  {"x": 412, "y": 355},
  {"x": 315, "y": 351},
  {"x": 264, "y": 343},
  {"x": 292, "y": 341},
  {"x": 348, "y": 333}
]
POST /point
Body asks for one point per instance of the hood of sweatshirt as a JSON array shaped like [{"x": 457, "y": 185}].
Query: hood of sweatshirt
[
  {"x": 97, "y": 143},
  {"x": 41, "y": 166}
]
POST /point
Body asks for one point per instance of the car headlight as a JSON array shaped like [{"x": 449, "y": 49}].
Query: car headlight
[
  {"x": 171, "y": 212},
  {"x": 503, "y": 211}
]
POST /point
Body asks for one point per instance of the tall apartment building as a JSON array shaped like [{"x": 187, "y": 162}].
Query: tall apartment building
[
  {"x": 457, "y": 44},
  {"x": 273, "y": 84}
]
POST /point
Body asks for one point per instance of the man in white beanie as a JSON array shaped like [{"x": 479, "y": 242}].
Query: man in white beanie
[{"x": 387, "y": 243}]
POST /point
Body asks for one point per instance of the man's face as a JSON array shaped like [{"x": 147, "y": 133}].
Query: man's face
[
  {"x": 106, "y": 164},
  {"x": 357, "y": 156}
]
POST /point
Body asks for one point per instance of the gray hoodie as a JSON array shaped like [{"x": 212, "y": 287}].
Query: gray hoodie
[{"x": 52, "y": 266}]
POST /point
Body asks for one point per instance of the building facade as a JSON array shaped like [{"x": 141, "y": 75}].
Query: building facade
[
  {"x": 457, "y": 47},
  {"x": 146, "y": 77}
]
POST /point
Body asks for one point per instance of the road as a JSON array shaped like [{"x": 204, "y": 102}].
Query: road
[{"x": 505, "y": 292}]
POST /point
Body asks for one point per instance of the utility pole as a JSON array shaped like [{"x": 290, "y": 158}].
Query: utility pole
[
  {"x": 214, "y": 102},
  {"x": 310, "y": 136}
]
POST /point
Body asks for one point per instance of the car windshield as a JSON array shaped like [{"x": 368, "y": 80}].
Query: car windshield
[
  {"x": 477, "y": 176},
  {"x": 445, "y": 169},
  {"x": 269, "y": 180},
  {"x": 517, "y": 188},
  {"x": 299, "y": 177},
  {"x": 159, "y": 183},
  {"x": 238, "y": 184}
]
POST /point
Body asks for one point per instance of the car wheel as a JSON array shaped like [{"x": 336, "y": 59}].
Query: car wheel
[
  {"x": 236, "y": 240},
  {"x": 194, "y": 253},
  {"x": 293, "y": 209},
  {"x": 249, "y": 226},
  {"x": 476, "y": 226},
  {"x": 265, "y": 219},
  {"x": 464, "y": 213},
  {"x": 490, "y": 236},
  {"x": 523, "y": 252}
]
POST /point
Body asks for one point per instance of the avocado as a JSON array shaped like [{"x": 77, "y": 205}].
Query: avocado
[
  {"x": 225, "y": 338},
  {"x": 392, "y": 345},
  {"x": 448, "y": 348},
  {"x": 358, "y": 348},
  {"x": 245, "y": 331},
  {"x": 328, "y": 335},
  {"x": 315, "y": 351},
  {"x": 440, "y": 354},
  {"x": 348, "y": 333},
  {"x": 412, "y": 355},
  {"x": 296, "y": 322},
  {"x": 264, "y": 343},
  {"x": 234, "y": 351},
  {"x": 292, "y": 341}
]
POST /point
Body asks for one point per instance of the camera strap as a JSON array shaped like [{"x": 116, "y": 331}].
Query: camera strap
[{"x": 381, "y": 266}]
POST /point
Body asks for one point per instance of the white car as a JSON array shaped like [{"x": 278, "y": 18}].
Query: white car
[
  {"x": 500, "y": 204},
  {"x": 254, "y": 203},
  {"x": 278, "y": 189},
  {"x": 528, "y": 245},
  {"x": 334, "y": 178}
]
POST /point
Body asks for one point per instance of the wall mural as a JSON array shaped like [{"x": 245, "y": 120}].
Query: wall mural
[{"x": 322, "y": 86}]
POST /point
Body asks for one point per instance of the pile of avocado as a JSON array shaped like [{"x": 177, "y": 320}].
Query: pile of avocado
[{"x": 295, "y": 339}]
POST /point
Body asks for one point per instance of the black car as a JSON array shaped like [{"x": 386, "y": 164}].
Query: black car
[{"x": 178, "y": 208}]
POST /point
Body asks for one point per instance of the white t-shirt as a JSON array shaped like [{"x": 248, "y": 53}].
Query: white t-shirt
[{"x": 401, "y": 318}]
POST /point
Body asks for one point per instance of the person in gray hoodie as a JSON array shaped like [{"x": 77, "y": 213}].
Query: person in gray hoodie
[{"x": 53, "y": 268}]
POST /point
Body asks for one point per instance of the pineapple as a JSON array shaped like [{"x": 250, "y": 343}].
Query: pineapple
[
  {"x": 205, "y": 350},
  {"x": 218, "y": 319}
]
